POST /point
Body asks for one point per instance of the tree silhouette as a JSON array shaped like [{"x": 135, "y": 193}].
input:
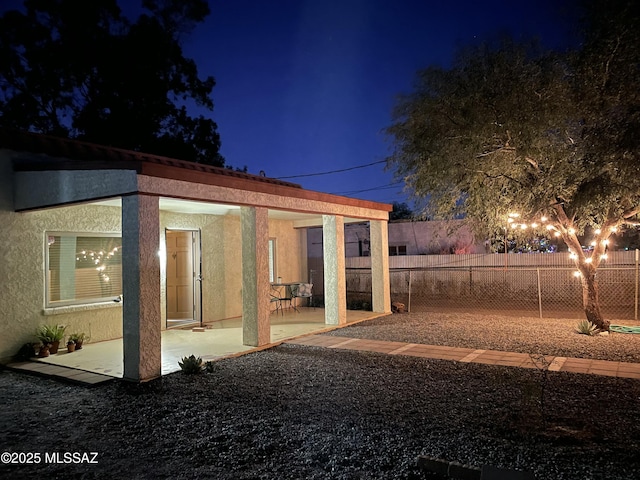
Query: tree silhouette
[{"x": 80, "y": 69}]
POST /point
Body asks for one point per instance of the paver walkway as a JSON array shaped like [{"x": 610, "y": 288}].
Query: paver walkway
[
  {"x": 72, "y": 375},
  {"x": 467, "y": 355},
  {"x": 489, "y": 357}
]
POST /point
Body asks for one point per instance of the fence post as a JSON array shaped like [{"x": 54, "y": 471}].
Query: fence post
[
  {"x": 539, "y": 293},
  {"x": 636, "y": 311},
  {"x": 409, "y": 301}
]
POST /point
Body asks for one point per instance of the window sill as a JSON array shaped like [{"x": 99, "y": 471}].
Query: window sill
[{"x": 80, "y": 308}]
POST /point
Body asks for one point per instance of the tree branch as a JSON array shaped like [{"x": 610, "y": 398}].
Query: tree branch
[
  {"x": 502, "y": 175},
  {"x": 631, "y": 212},
  {"x": 493, "y": 152},
  {"x": 533, "y": 163},
  {"x": 608, "y": 62}
]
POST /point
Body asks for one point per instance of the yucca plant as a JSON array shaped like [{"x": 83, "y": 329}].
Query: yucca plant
[
  {"x": 191, "y": 364},
  {"x": 585, "y": 327}
]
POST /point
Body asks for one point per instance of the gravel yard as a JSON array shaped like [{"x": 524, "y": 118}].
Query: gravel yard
[
  {"x": 547, "y": 336},
  {"x": 297, "y": 412}
]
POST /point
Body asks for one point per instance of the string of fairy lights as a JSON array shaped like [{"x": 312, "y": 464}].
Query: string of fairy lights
[
  {"x": 98, "y": 258},
  {"x": 514, "y": 223}
]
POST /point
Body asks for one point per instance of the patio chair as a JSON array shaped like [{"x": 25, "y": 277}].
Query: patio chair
[
  {"x": 300, "y": 290},
  {"x": 277, "y": 297}
]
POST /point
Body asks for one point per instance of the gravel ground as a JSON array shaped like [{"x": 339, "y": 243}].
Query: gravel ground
[
  {"x": 296, "y": 412},
  {"x": 557, "y": 337}
]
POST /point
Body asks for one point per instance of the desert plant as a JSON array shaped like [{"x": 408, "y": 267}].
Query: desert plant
[
  {"x": 49, "y": 334},
  {"x": 209, "y": 366},
  {"x": 191, "y": 364},
  {"x": 585, "y": 327},
  {"x": 77, "y": 338}
]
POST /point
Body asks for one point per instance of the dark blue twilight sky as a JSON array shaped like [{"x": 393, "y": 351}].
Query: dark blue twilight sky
[{"x": 307, "y": 86}]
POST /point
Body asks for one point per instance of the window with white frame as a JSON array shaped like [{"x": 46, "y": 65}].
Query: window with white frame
[
  {"x": 82, "y": 268},
  {"x": 272, "y": 260}
]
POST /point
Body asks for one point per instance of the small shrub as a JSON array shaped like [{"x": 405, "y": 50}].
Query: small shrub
[
  {"x": 209, "y": 366},
  {"x": 78, "y": 337},
  {"x": 191, "y": 364},
  {"x": 585, "y": 327}
]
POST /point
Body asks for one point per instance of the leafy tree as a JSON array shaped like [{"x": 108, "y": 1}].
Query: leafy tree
[
  {"x": 551, "y": 136},
  {"x": 80, "y": 69},
  {"x": 401, "y": 211}
]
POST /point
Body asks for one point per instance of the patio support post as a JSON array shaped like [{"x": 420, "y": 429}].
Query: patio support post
[
  {"x": 380, "y": 286},
  {"x": 335, "y": 284},
  {"x": 256, "y": 327},
  {"x": 141, "y": 288}
]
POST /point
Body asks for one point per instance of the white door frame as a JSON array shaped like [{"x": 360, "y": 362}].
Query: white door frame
[{"x": 196, "y": 260}]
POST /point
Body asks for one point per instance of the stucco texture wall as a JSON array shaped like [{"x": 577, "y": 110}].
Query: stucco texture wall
[
  {"x": 22, "y": 265},
  {"x": 289, "y": 258},
  {"x": 221, "y": 240},
  {"x": 22, "y": 269},
  {"x": 221, "y": 262}
]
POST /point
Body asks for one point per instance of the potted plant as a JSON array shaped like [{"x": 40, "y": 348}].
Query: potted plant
[
  {"x": 44, "y": 350},
  {"x": 52, "y": 335},
  {"x": 71, "y": 346},
  {"x": 78, "y": 339}
]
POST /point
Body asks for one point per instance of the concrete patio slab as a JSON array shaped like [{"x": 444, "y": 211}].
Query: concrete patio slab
[{"x": 216, "y": 341}]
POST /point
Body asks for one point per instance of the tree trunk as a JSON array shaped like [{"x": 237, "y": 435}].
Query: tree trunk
[{"x": 591, "y": 302}]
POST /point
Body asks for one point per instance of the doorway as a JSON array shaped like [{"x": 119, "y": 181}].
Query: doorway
[{"x": 183, "y": 278}]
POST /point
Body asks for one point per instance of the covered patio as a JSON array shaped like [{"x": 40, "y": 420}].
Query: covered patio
[
  {"x": 240, "y": 234},
  {"x": 218, "y": 340}
]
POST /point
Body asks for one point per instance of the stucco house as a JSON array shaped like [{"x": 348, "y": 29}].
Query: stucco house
[
  {"x": 406, "y": 237},
  {"x": 84, "y": 226}
]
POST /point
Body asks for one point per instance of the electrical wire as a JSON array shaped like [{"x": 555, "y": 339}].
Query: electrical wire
[
  {"x": 381, "y": 187},
  {"x": 332, "y": 171}
]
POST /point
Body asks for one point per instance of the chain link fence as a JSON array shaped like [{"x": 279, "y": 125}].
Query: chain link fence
[{"x": 545, "y": 291}]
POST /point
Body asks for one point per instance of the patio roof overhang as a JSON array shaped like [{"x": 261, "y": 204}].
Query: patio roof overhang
[{"x": 51, "y": 172}]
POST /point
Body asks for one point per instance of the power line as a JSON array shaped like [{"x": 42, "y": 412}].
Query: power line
[
  {"x": 332, "y": 171},
  {"x": 381, "y": 187}
]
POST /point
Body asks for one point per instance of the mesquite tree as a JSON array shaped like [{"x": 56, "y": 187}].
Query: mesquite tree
[{"x": 510, "y": 128}]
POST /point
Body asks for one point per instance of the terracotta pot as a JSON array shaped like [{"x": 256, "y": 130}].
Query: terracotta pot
[
  {"x": 71, "y": 347},
  {"x": 54, "y": 347},
  {"x": 44, "y": 351},
  {"x": 79, "y": 345}
]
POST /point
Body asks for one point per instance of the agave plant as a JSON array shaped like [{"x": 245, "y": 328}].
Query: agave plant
[
  {"x": 585, "y": 327},
  {"x": 191, "y": 364}
]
